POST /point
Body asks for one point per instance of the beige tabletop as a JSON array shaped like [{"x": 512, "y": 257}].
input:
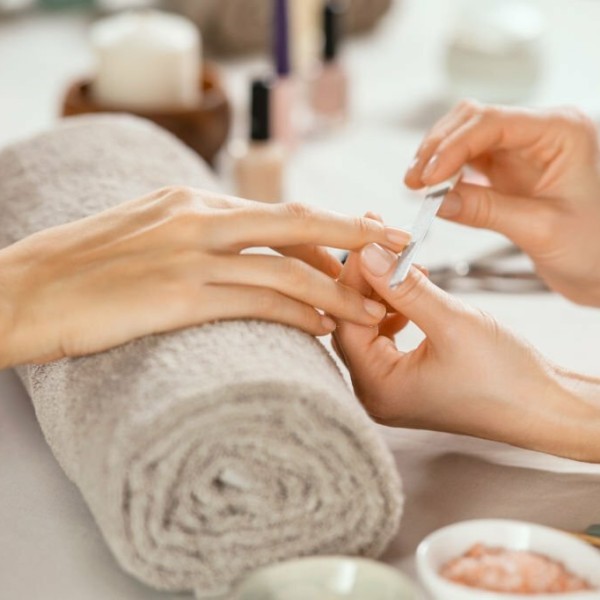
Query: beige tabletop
[{"x": 398, "y": 84}]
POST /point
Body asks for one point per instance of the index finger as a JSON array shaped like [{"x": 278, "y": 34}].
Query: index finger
[
  {"x": 294, "y": 224},
  {"x": 487, "y": 129}
]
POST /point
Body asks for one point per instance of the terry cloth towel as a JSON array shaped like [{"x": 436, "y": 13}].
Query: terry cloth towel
[{"x": 205, "y": 453}]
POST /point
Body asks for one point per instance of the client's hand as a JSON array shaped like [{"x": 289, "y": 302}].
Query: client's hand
[
  {"x": 170, "y": 260},
  {"x": 470, "y": 375},
  {"x": 544, "y": 186}
]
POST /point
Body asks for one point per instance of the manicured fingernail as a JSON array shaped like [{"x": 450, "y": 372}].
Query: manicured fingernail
[
  {"x": 377, "y": 260},
  {"x": 328, "y": 323},
  {"x": 398, "y": 237},
  {"x": 431, "y": 167},
  {"x": 451, "y": 206},
  {"x": 413, "y": 165},
  {"x": 375, "y": 309}
]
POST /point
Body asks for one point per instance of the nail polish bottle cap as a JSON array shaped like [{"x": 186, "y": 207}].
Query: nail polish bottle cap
[
  {"x": 332, "y": 13},
  {"x": 281, "y": 50},
  {"x": 259, "y": 112}
]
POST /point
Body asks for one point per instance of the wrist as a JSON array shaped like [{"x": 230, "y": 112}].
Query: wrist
[
  {"x": 579, "y": 397},
  {"x": 562, "y": 417},
  {"x": 27, "y": 326},
  {"x": 551, "y": 411}
]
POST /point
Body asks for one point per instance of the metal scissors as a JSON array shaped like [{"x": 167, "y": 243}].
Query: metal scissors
[{"x": 506, "y": 270}]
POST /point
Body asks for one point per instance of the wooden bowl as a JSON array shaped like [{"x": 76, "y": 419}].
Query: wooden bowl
[{"x": 204, "y": 128}]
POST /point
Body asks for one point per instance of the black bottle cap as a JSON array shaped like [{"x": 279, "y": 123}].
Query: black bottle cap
[
  {"x": 332, "y": 13},
  {"x": 260, "y": 128}
]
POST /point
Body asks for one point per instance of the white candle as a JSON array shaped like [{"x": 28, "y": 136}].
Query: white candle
[{"x": 147, "y": 61}]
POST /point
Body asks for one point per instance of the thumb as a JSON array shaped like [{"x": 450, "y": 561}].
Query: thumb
[
  {"x": 483, "y": 207},
  {"x": 430, "y": 308}
]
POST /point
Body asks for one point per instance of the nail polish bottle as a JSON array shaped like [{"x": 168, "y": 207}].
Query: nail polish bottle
[
  {"x": 305, "y": 21},
  {"x": 259, "y": 170},
  {"x": 329, "y": 93},
  {"x": 284, "y": 89}
]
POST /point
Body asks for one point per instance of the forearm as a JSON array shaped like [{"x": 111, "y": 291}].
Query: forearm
[{"x": 577, "y": 399}]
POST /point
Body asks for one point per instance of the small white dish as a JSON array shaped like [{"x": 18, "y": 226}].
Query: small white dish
[
  {"x": 326, "y": 578},
  {"x": 453, "y": 541}
]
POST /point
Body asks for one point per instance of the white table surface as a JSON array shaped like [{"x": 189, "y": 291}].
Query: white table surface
[{"x": 49, "y": 545}]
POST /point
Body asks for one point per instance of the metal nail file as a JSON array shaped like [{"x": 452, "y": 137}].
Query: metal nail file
[{"x": 431, "y": 204}]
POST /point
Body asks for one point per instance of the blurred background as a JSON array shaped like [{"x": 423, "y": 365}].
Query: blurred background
[
  {"x": 402, "y": 62},
  {"x": 358, "y": 88}
]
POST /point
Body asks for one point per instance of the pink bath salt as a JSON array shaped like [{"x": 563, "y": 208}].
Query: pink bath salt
[{"x": 511, "y": 571}]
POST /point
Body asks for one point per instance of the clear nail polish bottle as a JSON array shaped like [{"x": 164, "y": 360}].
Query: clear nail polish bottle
[
  {"x": 329, "y": 93},
  {"x": 259, "y": 170}
]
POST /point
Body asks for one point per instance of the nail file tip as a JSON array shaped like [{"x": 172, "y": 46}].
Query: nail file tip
[
  {"x": 438, "y": 193},
  {"x": 433, "y": 200}
]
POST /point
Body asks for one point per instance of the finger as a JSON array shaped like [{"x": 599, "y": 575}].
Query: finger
[
  {"x": 297, "y": 280},
  {"x": 375, "y": 296},
  {"x": 489, "y": 130},
  {"x": 226, "y": 302},
  {"x": 370, "y": 357},
  {"x": 440, "y": 131},
  {"x": 350, "y": 335},
  {"x": 293, "y": 224},
  {"x": 316, "y": 256},
  {"x": 526, "y": 221},
  {"x": 417, "y": 298},
  {"x": 423, "y": 269},
  {"x": 368, "y": 352},
  {"x": 392, "y": 325},
  {"x": 338, "y": 350},
  {"x": 447, "y": 123},
  {"x": 375, "y": 216},
  {"x": 352, "y": 276}
]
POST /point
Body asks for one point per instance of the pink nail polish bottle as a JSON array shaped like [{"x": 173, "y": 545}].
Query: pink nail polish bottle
[
  {"x": 259, "y": 171},
  {"x": 284, "y": 89},
  {"x": 329, "y": 93}
]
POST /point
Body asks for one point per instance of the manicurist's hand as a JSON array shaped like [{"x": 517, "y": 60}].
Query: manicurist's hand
[
  {"x": 470, "y": 375},
  {"x": 173, "y": 259},
  {"x": 544, "y": 185}
]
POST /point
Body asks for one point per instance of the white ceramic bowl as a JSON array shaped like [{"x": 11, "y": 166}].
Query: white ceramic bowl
[
  {"x": 453, "y": 541},
  {"x": 327, "y": 578}
]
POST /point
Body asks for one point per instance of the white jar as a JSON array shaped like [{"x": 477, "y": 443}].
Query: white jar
[{"x": 494, "y": 52}]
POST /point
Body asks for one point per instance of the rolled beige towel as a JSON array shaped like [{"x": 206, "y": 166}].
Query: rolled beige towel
[{"x": 206, "y": 453}]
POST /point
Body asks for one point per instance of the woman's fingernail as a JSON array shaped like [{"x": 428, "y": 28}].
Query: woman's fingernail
[
  {"x": 328, "y": 323},
  {"x": 451, "y": 206},
  {"x": 431, "y": 167},
  {"x": 377, "y": 260},
  {"x": 398, "y": 237},
  {"x": 375, "y": 309},
  {"x": 413, "y": 165}
]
